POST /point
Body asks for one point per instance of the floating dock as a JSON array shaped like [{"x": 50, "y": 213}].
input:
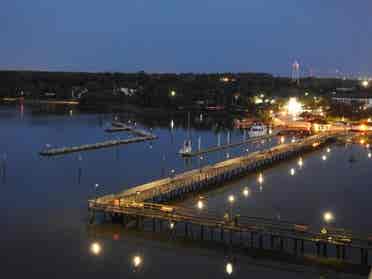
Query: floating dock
[
  {"x": 226, "y": 146},
  {"x": 105, "y": 144},
  {"x": 117, "y": 126}
]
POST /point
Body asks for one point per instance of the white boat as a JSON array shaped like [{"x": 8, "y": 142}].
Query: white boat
[
  {"x": 257, "y": 130},
  {"x": 186, "y": 148}
]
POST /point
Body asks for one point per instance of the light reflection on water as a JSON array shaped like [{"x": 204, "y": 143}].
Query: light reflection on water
[{"x": 43, "y": 202}]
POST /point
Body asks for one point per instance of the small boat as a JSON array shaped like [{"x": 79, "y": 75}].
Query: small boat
[
  {"x": 186, "y": 148},
  {"x": 257, "y": 130}
]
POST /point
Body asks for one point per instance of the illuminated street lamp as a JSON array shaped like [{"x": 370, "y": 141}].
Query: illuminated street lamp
[
  {"x": 260, "y": 179},
  {"x": 324, "y": 157},
  {"x": 200, "y": 204},
  {"x": 246, "y": 192},
  {"x": 292, "y": 172},
  {"x": 300, "y": 162},
  {"x": 328, "y": 150},
  {"x": 95, "y": 248},
  {"x": 369, "y": 155},
  {"x": 137, "y": 261},
  {"x": 231, "y": 200},
  {"x": 328, "y": 217},
  {"x": 229, "y": 268},
  {"x": 173, "y": 93},
  {"x": 365, "y": 83},
  {"x": 171, "y": 225},
  {"x": 96, "y": 187}
]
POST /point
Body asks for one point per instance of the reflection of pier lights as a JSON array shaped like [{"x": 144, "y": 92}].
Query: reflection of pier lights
[{"x": 229, "y": 268}]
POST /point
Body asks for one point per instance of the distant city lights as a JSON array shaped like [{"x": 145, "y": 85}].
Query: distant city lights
[{"x": 294, "y": 107}]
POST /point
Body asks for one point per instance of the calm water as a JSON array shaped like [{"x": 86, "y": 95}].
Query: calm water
[{"x": 43, "y": 208}]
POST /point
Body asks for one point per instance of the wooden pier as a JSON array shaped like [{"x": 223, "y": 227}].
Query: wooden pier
[
  {"x": 145, "y": 207},
  {"x": 141, "y": 136},
  {"x": 227, "y": 146},
  {"x": 169, "y": 188},
  {"x": 85, "y": 147},
  {"x": 245, "y": 232},
  {"x": 122, "y": 127}
]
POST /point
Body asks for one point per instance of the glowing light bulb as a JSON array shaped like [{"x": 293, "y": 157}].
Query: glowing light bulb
[
  {"x": 260, "y": 178},
  {"x": 95, "y": 248},
  {"x": 137, "y": 261},
  {"x": 229, "y": 268},
  {"x": 246, "y": 192},
  {"x": 328, "y": 217},
  {"x": 200, "y": 205}
]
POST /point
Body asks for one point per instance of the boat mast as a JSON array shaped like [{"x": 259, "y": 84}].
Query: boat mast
[{"x": 188, "y": 126}]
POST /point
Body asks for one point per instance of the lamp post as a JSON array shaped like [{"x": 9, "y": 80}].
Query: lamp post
[
  {"x": 231, "y": 200},
  {"x": 201, "y": 163},
  {"x": 96, "y": 186},
  {"x": 137, "y": 262},
  {"x": 328, "y": 217},
  {"x": 246, "y": 192},
  {"x": 200, "y": 205},
  {"x": 95, "y": 248}
]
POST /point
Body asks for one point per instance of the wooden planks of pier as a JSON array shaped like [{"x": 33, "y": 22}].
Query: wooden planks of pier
[{"x": 175, "y": 187}]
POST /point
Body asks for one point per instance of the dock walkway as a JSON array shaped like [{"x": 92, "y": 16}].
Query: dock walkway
[
  {"x": 141, "y": 136},
  {"x": 226, "y": 146},
  {"x": 145, "y": 206},
  {"x": 173, "y": 187}
]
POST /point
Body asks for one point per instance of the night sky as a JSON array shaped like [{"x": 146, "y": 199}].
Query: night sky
[{"x": 187, "y": 36}]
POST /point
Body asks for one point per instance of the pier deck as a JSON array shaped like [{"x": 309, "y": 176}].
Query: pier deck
[
  {"x": 141, "y": 136},
  {"x": 145, "y": 204},
  {"x": 226, "y": 146},
  {"x": 104, "y": 144},
  {"x": 172, "y": 187}
]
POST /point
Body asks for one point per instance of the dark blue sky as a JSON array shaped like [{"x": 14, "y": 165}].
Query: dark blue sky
[{"x": 185, "y": 36}]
